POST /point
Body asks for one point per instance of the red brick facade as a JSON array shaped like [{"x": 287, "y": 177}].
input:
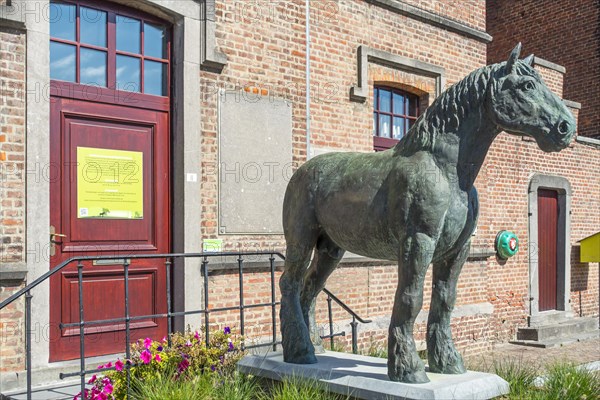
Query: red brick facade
[
  {"x": 264, "y": 43},
  {"x": 12, "y": 189},
  {"x": 564, "y": 32}
]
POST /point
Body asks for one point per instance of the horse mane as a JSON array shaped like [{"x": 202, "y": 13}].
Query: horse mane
[{"x": 452, "y": 107}]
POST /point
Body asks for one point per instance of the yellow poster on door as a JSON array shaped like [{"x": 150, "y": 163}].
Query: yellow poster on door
[{"x": 110, "y": 183}]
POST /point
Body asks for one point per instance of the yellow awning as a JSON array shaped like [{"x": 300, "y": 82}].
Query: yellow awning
[{"x": 590, "y": 248}]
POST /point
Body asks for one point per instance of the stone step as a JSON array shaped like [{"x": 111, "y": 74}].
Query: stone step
[
  {"x": 558, "y": 342},
  {"x": 563, "y": 329}
]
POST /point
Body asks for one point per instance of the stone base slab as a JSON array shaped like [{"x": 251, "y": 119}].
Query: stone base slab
[{"x": 366, "y": 378}]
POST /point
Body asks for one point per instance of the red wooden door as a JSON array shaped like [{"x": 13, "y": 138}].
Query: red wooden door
[
  {"x": 110, "y": 183},
  {"x": 547, "y": 258}
]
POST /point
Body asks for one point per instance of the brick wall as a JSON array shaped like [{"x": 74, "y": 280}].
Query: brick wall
[
  {"x": 564, "y": 32},
  {"x": 12, "y": 189},
  {"x": 266, "y": 52}
]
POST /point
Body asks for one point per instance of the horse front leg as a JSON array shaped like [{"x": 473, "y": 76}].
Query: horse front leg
[
  {"x": 441, "y": 353},
  {"x": 404, "y": 364}
]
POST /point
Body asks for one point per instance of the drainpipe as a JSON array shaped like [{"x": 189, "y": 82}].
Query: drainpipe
[{"x": 307, "y": 23}]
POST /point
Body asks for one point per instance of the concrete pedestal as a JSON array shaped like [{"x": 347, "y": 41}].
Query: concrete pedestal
[{"x": 366, "y": 378}]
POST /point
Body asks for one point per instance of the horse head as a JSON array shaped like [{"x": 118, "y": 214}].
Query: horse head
[{"x": 520, "y": 103}]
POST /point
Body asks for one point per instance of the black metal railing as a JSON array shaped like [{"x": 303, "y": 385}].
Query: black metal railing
[
  {"x": 127, "y": 319},
  {"x": 354, "y": 324}
]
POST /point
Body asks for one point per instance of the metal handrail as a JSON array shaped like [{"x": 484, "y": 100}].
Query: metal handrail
[
  {"x": 345, "y": 307},
  {"x": 125, "y": 260}
]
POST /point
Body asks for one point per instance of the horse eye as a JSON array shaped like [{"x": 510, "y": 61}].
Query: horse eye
[{"x": 529, "y": 85}]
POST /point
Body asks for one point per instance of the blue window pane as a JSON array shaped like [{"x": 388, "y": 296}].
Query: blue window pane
[
  {"x": 399, "y": 104},
  {"x": 62, "y": 61},
  {"x": 375, "y": 124},
  {"x": 155, "y": 41},
  {"x": 412, "y": 106},
  {"x": 385, "y": 122},
  {"x": 128, "y": 73},
  {"x": 92, "y": 64},
  {"x": 399, "y": 124},
  {"x": 376, "y": 99},
  {"x": 128, "y": 34},
  {"x": 62, "y": 21},
  {"x": 92, "y": 26},
  {"x": 155, "y": 78},
  {"x": 385, "y": 99}
]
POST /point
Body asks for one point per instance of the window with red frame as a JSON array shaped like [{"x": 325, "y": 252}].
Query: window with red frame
[
  {"x": 394, "y": 113},
  {"x": 93, "y": 43}
]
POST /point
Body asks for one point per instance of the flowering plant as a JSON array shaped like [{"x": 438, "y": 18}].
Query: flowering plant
[{"x": 187, "y": 356}]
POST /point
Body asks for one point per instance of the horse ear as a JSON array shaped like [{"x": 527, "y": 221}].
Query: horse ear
[
  {"x": 513, "y": 58},
  {"x": 528, "y": 60}
]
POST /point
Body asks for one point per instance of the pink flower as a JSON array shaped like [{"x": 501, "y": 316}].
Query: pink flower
[
  {"x": 147, "y": 343},
  {"x": 183, "y": 365},
  {"x": 119, "y": 365},
  {"x": 146, "y": 356},
  {"x": 197, "y": 335},
  {"x": 164, "y": 339},
  {"x": 157, "y": 358},
  {"x": 188, "y": 343},
  {"x": 108, "y": 365},
  {"x": 108, "y": 388},
  {"x": 92, "y": 379}
]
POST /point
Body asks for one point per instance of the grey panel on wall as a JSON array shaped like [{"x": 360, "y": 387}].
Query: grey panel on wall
[{"x": 255, "y": 162}]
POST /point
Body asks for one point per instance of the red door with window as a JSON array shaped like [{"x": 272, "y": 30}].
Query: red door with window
[
  {"x": 547, "y": 246},
  {"x": 110, "y": 193}
]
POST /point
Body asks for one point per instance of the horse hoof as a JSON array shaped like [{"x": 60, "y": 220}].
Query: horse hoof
[
  {"x": 410, "y": 377},
  {"x": 452, "y": 369},
  {"x": 301, "y": 359}
]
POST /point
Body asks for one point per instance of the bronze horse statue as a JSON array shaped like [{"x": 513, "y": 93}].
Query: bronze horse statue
[{"x": 415, "y": 204}]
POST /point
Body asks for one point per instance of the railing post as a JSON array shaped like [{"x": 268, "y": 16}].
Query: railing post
[
  {"x": 354, "y": 325},
  {"x": 127, "y": 321},
  {"x": 241, "y": 279},
  {"x": 28, "y": 297},
  {"x": 273, "y": 302},
  {"x": 81, "y": 328},
  {"x": 206, "y": 309},
  {"x": 169, "y": 321},
  {"x": 331, "y": 345}
]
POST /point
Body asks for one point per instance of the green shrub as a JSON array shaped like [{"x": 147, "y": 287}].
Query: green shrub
[
  {"x": 520, "y": 377},
  {"x": 566, "y": 381},
  {"x": 185, "y": 358},
  {"x": 296, "y": 389}
]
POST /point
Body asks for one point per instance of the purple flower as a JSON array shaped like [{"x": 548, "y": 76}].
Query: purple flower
[
  {"x": 213, "y": 368},
  {"x": 147, "y": 343},
  {"x": 227, "y": 330},
  {"x": 119, "y": 365},
  {"x": 146, "y": 356},
  {"x": 222, "y": 359},
  {"x": 231, "y": 346},
  {"x": 159, "y": 348},
  {"x": 183, "y": 365}
]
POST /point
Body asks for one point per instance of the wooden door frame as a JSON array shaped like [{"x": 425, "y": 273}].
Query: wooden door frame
[
  {"x": 563, "y": 263},
  {"x": 187, "y": 19}
]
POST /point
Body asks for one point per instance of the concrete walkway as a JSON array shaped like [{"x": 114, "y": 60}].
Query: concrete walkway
[{"x": 577, "y": 353}]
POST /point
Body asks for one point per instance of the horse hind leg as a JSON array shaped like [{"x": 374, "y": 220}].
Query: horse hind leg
[
  {"x": 441, "y": 353},
  {"x": 326, "y": 258}
]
